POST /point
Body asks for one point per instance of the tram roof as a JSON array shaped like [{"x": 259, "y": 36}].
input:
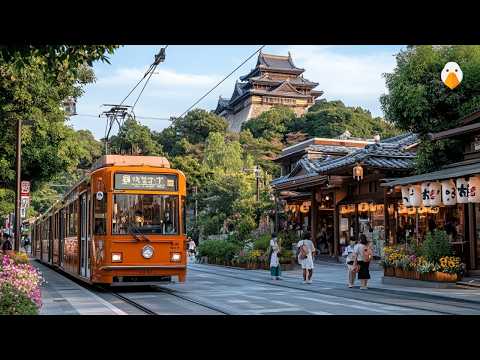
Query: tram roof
[{"x": 130, "y": 160}]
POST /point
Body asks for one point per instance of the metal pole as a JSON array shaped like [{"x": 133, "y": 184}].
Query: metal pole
[
  {"x": 258, "y": 179},
  {"x": 195, "y": 189},
  {"x": 276, "y": 215},
  {"x": 17, "y": 227}
]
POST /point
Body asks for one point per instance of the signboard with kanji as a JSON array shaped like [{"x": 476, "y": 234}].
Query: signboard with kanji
[
  {"x": 146, "y": 182},
  {"x": 25, "y": 187}
]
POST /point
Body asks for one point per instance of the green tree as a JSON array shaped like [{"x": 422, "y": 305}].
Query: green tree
[
  {"x": 332, "y": 118},
  {"x": 223, "y": 156},
  {"x": 270, "y": 124},
  {"x": 33, "y": 84},
  {"x": 89, "y": 149},
  {"x": 134, "y": 139},
  {"x": 418, "y": 101},
  {"x": 197, "y": 124}
]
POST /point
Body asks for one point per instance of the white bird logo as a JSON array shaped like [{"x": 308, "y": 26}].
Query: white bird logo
[{"x": 452, "y": 75}]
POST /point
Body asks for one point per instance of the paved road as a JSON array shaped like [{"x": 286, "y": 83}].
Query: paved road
[
  {"x": 214, "y": 290},
  {"x": 241, "y": 292}
]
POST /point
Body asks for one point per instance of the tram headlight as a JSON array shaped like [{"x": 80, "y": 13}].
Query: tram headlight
[
  {"x": 116, "y": 257},
  {"x": 147, "y": 251},
  {"x": 176, "y": 257}
]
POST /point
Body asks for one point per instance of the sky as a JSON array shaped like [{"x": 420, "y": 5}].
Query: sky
[{"x": 352, "y": 74}]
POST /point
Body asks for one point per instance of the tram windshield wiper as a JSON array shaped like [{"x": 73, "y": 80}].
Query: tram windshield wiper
[{"x": 137, "y": 234}]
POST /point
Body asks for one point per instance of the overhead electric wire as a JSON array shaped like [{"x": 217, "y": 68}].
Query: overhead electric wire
[
  {"x": 139, "y": 117},
  {"x": 225, "y": 78}
]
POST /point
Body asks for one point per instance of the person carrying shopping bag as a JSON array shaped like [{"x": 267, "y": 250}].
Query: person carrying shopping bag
[
  {"x": 274, "y": 258},
  {"x": 349, "y": 256},
  {"x": 363, "y": 256},
  {"x": 305, "y": 252}
]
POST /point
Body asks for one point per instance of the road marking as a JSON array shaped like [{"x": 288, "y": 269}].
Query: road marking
[
  {"x": 366, "y": 308},
  {"x": 320, "y": 301},
  {"x": 320, "y": 313},
  {"x": 237, "y": 301},
  {"x": 282, "y": 303},
  {"x": 256, "y": 297},
  {"x": 276, "y": 310}
]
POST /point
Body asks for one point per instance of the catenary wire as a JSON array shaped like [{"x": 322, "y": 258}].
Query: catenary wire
[{"x": 225, "y": 78}]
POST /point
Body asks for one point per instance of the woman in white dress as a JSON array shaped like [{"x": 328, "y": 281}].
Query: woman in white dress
[
  {"x": 274, "y": 261},
  {"x": 306, "y": 249}
]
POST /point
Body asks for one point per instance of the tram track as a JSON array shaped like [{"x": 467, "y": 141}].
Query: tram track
[
  {"x": 341, "y": 293},
  {"x": 157, "y": 288}
]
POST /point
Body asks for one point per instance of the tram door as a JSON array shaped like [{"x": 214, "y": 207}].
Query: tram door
[
  {"x": 88, "y": 233},
  {"x": 83, "y": 234}
]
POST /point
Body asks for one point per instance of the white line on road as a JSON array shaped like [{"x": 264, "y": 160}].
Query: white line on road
[
  {"x": 276, "y": 310},
  {"x": 282, "y": 303},
  {"x": 320, "y": 313}
]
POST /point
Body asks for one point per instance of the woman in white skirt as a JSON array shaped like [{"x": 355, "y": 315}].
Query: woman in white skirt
[
  {"x": 349, "y": 254},
  {"x": 306, "y": 249}
]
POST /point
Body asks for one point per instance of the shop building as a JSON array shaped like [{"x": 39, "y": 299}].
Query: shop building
[
  {"x": 339, "y": 203},
  {"x": 447, "y": 199}
]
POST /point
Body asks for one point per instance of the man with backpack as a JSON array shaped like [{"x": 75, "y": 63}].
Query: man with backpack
[{"x": 305, "y": 251}]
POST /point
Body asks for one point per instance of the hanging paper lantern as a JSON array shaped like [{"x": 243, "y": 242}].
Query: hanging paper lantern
[
  {"x": 422, "y": 210},
  {"x": 434, "y": 210},
  {"x": 462, "y": 191},
  {"x": 449, "y": 192},
  {"x": 363, "y": 207},
  {"x": 405, "y": 196},
  {"x": 412, "y": 211},
  {"x": 415, "y": 195},
  {"x": 474, "y": 189},
  {"x": 435, "y": 193},
  {"x": 372, "y": 208},
  {"x": 402, "y": 209},
  {"x": 425, "y": 193}
]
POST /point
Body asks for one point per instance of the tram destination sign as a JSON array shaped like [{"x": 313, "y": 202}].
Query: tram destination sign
[{"x": 125, "y": 181}]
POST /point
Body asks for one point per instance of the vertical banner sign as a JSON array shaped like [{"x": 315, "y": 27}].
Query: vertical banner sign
[
  {"x": 435, "y": 193},
  {"x": 426, "y": 194},
  {"x": 415, "y": 195},
  {"x": 25, "y": 188},
  {"x": 405, "y": 196},
  {"x": 449, "y": 192},
  {"x": 462, "y": 191},
  {"x": 474, "y": 189}
]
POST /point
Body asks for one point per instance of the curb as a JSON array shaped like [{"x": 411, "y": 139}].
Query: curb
[{"x": 389, "y": 280}]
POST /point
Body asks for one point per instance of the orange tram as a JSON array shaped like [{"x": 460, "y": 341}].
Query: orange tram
[{"x": 123, "y": 223}]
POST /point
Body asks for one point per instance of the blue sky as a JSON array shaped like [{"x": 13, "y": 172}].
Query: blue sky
[{"x": 352, "y": 74}]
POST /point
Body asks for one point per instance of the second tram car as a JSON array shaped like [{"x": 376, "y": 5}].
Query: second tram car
[{"x": 123, "y": 223}]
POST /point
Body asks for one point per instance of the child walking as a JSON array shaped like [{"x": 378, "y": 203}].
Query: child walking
[{"x": 349, "y": 254}]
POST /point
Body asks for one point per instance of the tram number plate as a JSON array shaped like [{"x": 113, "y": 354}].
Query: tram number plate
[{"x": 145, "y": 182}]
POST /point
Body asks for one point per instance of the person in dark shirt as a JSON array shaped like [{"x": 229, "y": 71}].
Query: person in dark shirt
[{"x": 7, "y": 244}]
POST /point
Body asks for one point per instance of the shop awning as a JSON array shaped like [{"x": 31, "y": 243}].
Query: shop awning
[{"x": 445, "y": 173}]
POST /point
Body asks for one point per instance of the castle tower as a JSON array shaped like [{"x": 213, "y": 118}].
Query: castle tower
[{"x": 275, "y": 80}]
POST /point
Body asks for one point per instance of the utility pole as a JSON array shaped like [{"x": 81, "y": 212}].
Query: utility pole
[
  {"x": 257, "y": 176},
  {"x": 17, "y": 225},
  {"x": 195, "y": 190}
]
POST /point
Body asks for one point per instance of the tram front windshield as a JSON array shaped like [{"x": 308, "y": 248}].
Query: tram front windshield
[{"x": 147, "y": 213}]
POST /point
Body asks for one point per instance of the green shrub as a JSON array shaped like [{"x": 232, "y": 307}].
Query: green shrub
[
  {"x": 262, "y": 242},
  {"x": 14, "y": 302},
  {"x": 435, "y": 246},
  {"x": 218, "y": 250}
]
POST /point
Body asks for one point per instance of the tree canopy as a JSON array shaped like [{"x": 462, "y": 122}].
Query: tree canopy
[
  {"x": 134, "y": 139},
  {"x": 418, "y": 101}
]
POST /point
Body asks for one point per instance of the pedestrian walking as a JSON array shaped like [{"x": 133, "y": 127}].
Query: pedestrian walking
[
  {"x": 349, "y": 254},
  {"x": 363, "y": 256},
  {"x": 191, "y": 247},
  {"x": 305, "y": 253},
  {"x": 7, "y": 245},
  {"x": 274, "y": 257}
]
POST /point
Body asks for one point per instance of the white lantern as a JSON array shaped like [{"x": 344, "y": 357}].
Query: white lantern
[
  {"x": 462, "y": 191},
  {"x": 425, "y": 193},
  {"x": 474, "y": 189},
  {"x": 435, "y": 193},
  {"x": 405, "y": 196},
  {"x": 449, "y": 192},
  {"x": 415, "y": 195}
]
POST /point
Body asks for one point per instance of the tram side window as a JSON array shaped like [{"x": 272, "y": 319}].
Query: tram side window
[
  {"x": 100, "y": 215},
  {"x": 184, "y": 215},
  {"x": 72, "y": 231}
]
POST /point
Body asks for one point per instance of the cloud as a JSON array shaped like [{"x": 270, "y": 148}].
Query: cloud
[
  {"x": 355, "y": 78},
  {"x": 162, "y": 78}
]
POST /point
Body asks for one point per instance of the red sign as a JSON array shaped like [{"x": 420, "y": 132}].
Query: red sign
[{"x": 25, "y": 187}]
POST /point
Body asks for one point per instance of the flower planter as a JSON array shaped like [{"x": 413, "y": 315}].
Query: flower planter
[
  {"x": 399, "y": 272},
  {"x": 445, "y": 277},
  {"x": 389, "y": 271}
]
